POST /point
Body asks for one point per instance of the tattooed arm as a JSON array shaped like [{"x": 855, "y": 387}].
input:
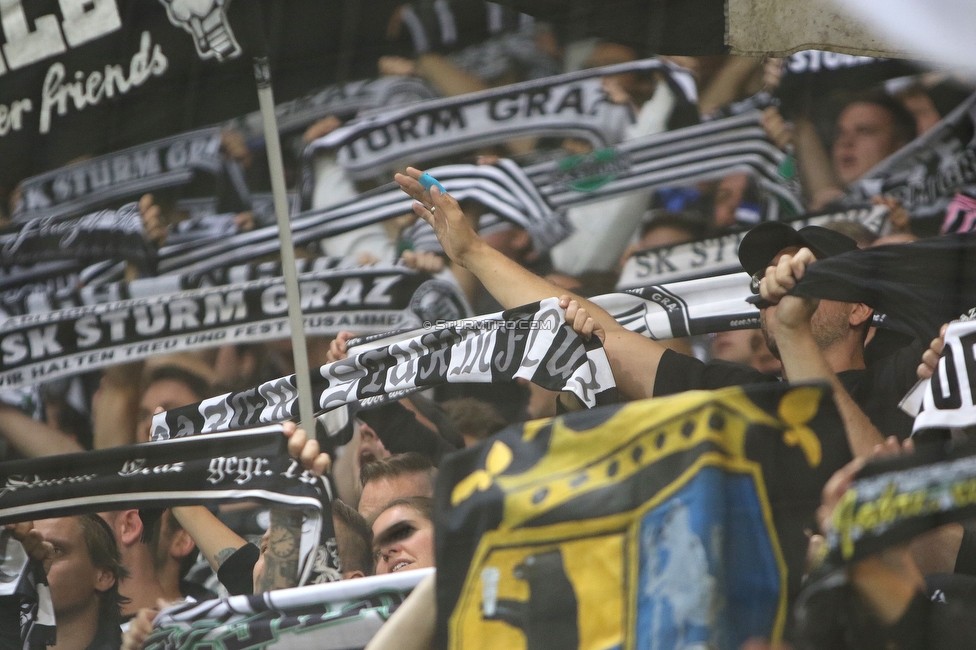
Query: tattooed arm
[
  {"x": 216, "y": 541},
  {"x": 277, "y": 567}
]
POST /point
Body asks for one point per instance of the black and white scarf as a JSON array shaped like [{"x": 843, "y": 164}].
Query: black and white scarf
[
  {"x": 532, "y": 342},
  {"x": 23, "y": 578},
  {"x": 533, "y": 198},
  {"x": 43, "y": 346},
  {"x": 707, "y": 151},
  {"x": 719, "y": 255},
  {"x": 246, "y": 465},
  {"x": 810, "y": 73},
  {"x": 126, "y": 174},
  {"x": 337, "y": 616},
  {"x": 112, "y": 234},
  {"x": 702, "y": 306},
  {"x": 340, "y": 100},
  {"x": 504, "y": 190},
  {"x": 948, "y": 399},
  {"x": 687, "y": 308},
  {"x": 928, "y": 172},
  {"x": 60, "y": 295},
  {"x": 568, "y": 105}
]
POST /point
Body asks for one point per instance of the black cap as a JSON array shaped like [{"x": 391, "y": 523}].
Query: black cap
[{"x": 762, "y": 243}]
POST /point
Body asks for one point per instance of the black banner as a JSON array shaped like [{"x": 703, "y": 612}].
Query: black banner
[{"x": 85, "y": 77}]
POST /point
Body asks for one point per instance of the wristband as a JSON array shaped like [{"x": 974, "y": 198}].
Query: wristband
[{"x": 429, "y": 181}]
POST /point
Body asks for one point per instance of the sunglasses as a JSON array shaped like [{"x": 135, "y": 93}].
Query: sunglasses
[{"x": 756, "y": 299}]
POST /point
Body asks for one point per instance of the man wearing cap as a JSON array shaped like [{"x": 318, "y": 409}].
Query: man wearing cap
[{"x": 816, "y": 340}]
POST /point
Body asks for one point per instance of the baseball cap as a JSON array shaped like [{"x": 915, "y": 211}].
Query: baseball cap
[{"x": 761, "y": 244}]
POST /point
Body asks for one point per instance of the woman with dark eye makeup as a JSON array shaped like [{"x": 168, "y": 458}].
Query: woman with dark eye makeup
[{"x": 403, "y": 535}]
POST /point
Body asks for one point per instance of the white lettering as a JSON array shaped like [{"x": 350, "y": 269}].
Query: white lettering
[
  {"x": 147, "y": 62},
  {"x": 23, "y": 46},
  {"x": 273, "y": 300},
  {"x": 42, "y": 342},
  {"x": 14, "y": 348},
  {"x": 183, "y": 315},
  {"x": 12, "y": 118},
  {"x": 378, "y": 294},
  {"x": 86, "y": 20},
  {"x": 224, "y": 310},
  {"x": 88, "y": 331},
  {"x": 351, "y": 293}
]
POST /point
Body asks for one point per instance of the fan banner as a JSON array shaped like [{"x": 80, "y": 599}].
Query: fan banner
[
  {"x": 719, "y": 255},
  {"x": 86, "y": 77},
  {"x": 531, "y": 342},
  {"x": 337, "y": 616},
  {"x": 39, "y": 347},
  {"x": 673, "y": 522}
]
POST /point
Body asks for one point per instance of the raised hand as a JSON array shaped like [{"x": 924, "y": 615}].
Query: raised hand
[
  {"x": 453, "y": 228},
  {"x": 424, "y": 262},
  {"x": 33, "y": 542},
  {"x": 338, "y": 349},
  {"x": 930, "y": 358},
  {"x": 783, "y": 276},
  {"x": 306, "y": 451}
]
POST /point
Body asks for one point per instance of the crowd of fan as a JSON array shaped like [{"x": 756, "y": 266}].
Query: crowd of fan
[{"x": 122, "y": 566}]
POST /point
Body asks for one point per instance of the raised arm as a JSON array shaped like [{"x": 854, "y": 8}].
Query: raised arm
[
  {"x": 215, "y": 540},
  {"x": 802, "y": 358},
  {"x": 33, "y": 438},
  {"x": 633, "y": 358}
]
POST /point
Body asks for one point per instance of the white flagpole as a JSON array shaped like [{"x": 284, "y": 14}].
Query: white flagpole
[{"x": 262, "y": 74}]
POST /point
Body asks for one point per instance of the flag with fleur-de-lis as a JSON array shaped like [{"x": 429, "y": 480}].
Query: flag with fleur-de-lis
[{"x": 666, "y": 523}]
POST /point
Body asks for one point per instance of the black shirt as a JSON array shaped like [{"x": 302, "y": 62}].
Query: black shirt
[
  {"x": 108, "y": 636},
  {"x": 237, "y": 571},
  {"x": 877, "y": 390}
]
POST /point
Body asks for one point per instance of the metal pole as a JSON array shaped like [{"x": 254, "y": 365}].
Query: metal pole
[{"x": 262, "y": 73}]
